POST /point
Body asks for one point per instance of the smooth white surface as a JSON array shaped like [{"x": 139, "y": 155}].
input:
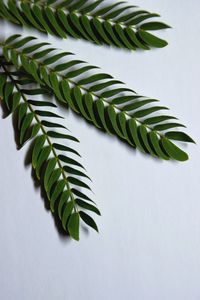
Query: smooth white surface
[{"x": 149, "y": 241}]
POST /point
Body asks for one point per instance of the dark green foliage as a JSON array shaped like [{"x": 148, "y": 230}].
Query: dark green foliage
[
  {"x": 57, "y": 171},
  {"x": 119, "y": 24},
  {"x": 30, "y": 69},
  {"x": 99, "y": 98}
]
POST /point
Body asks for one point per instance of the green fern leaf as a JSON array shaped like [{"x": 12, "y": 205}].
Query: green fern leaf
[
  {"x": 119, "y": 24},
  {"x": 105, "y": 102},
  {"x": 53, "y": 168}
]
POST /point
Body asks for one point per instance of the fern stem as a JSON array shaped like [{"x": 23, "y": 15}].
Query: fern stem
[
  {"x": 39, "y": 63},
  {"x": 113, "y": 22},
  {"x": 97, "y": 96},
  {"x": 45, "y": 133}
]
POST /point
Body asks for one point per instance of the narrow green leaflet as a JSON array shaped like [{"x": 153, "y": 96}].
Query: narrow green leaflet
[
  {"x": 88, "y": 220},
  {"x": 73, "y": 226}
]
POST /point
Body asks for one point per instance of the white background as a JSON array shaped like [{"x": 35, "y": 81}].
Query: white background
[{"x": 149, "y": 241}]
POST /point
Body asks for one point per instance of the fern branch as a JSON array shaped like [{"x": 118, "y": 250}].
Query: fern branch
[
  {"x": 119, "y": 24},
  {"x": 57, "y": 178},
  {"x": 100, "y": 99}
]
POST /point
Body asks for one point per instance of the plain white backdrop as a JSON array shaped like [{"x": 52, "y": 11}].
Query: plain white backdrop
[{"x": 149, "y": 241}]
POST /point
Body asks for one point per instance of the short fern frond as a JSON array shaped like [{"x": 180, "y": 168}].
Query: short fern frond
[
  {"x": 100, "y": 99},
  {"x": 52, "y": 161},
  {"x": 120, "y": 24}
]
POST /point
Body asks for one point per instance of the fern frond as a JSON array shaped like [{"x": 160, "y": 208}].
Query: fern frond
[
  {"x": 52, "y": 161},
  {"x": 100, "y": 99},
  {"x": 120, "y": 24}
]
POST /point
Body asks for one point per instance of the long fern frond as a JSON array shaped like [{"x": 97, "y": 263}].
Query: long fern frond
[
  {"x": 99, "y": 98},
  {"x": 52, "y": 160},
  {"x": 119, "y": 24}
]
